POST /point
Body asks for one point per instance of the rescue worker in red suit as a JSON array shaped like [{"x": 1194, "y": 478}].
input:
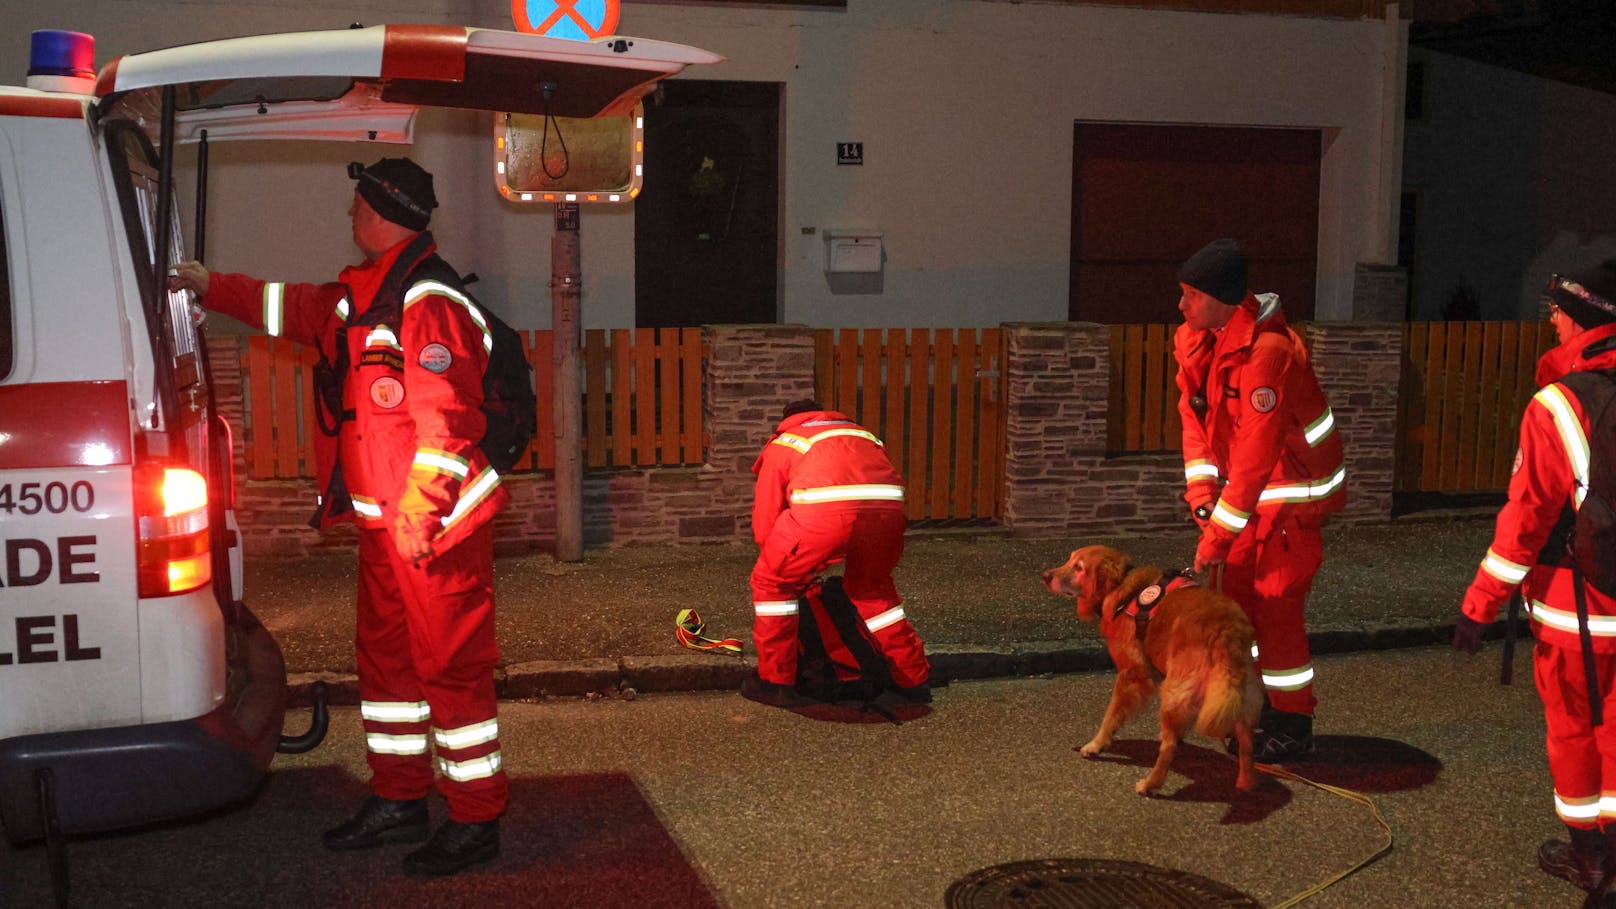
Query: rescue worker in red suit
[
  {"x": 1263, "y": 466},
  {"x": 406, "y": 468},
  {"x": 827, "y": 492},
  {"x": 1528, "y": 552}
]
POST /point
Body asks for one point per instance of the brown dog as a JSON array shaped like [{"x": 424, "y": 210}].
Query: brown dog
[{"x": 1196, "y": 649}]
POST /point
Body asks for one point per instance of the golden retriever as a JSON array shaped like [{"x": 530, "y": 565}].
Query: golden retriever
[{"x": 1196, "y": 649}]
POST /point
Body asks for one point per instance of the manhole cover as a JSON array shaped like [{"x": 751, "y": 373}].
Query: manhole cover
[{"x": 1089, "y": 884}]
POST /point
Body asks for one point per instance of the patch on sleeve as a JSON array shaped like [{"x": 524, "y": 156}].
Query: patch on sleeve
[
  {"x": 435, "y": 357},
  {"x": 1264, "y": 399},
  {"x": 1516, "y": 467},
  {"x": 387, "y": 392}
]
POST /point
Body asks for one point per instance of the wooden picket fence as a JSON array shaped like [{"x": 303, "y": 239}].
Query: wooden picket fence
[
  {"x": 642, "y": 401},
  {"x": 935, "y": 397},
  {"x": 1464, "y": 388}
]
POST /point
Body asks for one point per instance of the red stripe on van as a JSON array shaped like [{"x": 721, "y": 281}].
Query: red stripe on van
[
  {"x": 34, "y": 106},
  {"x": 64, "y": 424},
  {"x": 435, "y": 53}
]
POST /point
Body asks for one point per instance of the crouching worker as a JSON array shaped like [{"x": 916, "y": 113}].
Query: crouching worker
[
  {"x": 1552, "y": 542},
  {"x": 826, "y": 493},
  {"x": 403, "y": 463}
]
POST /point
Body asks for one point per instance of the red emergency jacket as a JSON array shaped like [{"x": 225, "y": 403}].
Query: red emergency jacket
[
  {"x": 413, "y": 391},
  {"x": 820, "y": 460},
  {"x": 1267, "y": 439},
  {"x": 1551, "y": 470}
]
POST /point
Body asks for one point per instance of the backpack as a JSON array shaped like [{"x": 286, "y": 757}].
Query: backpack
[
  {"x": 510, "y": 407},
  {"x": 1591, "y": 543},
  {"x": 838, "y": 664}
]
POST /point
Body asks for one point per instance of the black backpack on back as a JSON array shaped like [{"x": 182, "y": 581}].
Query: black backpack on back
[
  {"x": 1591, "y": 543},
  {"x": 509, "y": 405}
]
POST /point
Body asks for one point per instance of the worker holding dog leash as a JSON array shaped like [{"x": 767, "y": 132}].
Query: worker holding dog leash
[
  {"x": 827, "y": 492},
  {"x": 1553, "y": 542},
  {"x": 1263, "y": 466}
]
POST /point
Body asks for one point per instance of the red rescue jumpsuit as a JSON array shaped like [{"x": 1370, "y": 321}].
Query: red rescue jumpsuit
[
  {"x": 408, "y": 451},
  {"x": 826, "y": 492},
  {"x": 1552, "y": 461},
  {"x": 1265, "y": 463}
]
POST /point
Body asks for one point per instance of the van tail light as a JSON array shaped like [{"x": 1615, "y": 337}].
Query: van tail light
[{"x": 171, "y": 515}]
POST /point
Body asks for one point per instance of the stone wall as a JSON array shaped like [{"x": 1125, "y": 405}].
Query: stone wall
[{"x": 1059, "y": 479}]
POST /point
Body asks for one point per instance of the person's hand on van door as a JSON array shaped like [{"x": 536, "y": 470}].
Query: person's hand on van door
[
  {"x": 412, "y": 536},
  {"x": 190, "y": 275}
]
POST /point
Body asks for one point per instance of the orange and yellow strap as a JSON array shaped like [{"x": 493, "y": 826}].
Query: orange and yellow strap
[{"x": 688, "y": 628}]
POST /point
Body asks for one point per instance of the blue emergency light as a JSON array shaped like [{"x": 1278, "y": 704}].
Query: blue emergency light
[{"x": 54, "y": 52}]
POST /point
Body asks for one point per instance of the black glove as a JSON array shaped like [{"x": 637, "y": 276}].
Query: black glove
[{"x": 1467, "y": 635}]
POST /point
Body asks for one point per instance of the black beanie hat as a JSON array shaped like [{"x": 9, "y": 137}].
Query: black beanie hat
[
  {"x": 801, "y": 406},
  {"x": 398, "y": 189},
  {"x": 1587, "y": 297},
  {"x": 1218, "y": 270}
]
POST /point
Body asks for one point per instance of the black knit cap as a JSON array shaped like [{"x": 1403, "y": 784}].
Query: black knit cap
[
  {"x": 801, "y": 406},
  {"x": 1587, "y": 297},
  {"x": 1218, "y": 270},
  {"x": 398, "y": 189}
]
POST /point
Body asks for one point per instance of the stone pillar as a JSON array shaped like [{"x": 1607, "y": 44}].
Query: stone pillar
[
  {"x": 1359, "y": 366},
  {"x": 753, "y": 371},
  {"x": 1056, "y": 394},
  {"x": 1379, "y": 293}
]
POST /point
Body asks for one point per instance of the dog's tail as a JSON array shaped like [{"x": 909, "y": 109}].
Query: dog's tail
[{"x": 1229, "y": 689}]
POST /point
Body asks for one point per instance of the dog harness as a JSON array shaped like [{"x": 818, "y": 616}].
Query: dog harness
[{"x": 1142, "y": 603}]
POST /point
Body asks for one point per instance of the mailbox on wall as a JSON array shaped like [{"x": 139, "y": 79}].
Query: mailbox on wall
[{"x": 849, "y": 251}]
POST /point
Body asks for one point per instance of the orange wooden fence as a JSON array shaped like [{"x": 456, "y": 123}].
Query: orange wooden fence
[
  {"x": 935, "y": 397},
  {"x": 1464, "y": 387},
  {"x": 642, "y": 401}
]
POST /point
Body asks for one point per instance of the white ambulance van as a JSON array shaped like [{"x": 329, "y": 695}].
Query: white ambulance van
[{"x": 135, "y": 684}]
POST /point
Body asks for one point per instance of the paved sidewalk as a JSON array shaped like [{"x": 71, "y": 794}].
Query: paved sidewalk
[{"x": 605, "y": 626}]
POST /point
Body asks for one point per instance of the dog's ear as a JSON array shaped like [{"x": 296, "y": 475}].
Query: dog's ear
[{"x": 1109, "y": 568}]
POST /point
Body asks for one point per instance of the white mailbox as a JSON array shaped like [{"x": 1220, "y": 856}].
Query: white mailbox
[{"x": 852, "y": 251}]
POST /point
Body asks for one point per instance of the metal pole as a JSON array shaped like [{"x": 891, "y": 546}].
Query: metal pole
[{"x": 566, "y": 292}]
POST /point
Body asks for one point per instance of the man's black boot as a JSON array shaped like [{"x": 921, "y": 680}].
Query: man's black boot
[
  {"x": 915, "y": 694},
  {"x": 455, "y": 847},
  {"x": 773, "y": 694},
  {"x": 380, "y": 821},
  {"x": 1284, "y": 737},
  {"x": 1582, "y": 861}
]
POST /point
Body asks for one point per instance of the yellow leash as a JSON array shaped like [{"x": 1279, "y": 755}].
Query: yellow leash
[
  {"x": 690, "y": 630},
  {"x": 1348, "y": 794}
]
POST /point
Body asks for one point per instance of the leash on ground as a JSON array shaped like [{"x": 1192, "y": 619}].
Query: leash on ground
[
  {"x": 1350, "y": 795},
  {"x": 690, "y": 630}
]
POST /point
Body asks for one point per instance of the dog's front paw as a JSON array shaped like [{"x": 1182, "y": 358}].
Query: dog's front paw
[
  {"x": 1092, "y": 748},
  {"x": 1146, "y": 787}
]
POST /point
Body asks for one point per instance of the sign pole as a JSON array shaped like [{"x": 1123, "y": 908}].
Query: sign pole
[{"x": 566, "y": 294}]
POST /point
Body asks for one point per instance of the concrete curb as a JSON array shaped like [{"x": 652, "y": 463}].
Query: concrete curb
[{"x": 724, "y": 672}]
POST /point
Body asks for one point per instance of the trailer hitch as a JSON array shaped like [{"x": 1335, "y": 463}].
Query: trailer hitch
[{"x": 317, "y": 725}]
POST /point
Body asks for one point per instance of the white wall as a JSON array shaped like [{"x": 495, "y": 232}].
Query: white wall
[{"x": 965, "y": 109}]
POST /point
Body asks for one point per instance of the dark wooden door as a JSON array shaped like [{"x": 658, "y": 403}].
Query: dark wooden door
[
  {"x": 1145, "y": 198},
  {"x": 706, "y": 231}
]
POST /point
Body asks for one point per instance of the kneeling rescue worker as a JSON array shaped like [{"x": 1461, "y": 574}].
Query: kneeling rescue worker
[
  {"x": 405, "y": 466},
  {"x": 826, "y": 492}
]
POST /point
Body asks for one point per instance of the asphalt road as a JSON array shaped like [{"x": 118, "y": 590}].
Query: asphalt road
[{"x": 695, "y": 800}]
